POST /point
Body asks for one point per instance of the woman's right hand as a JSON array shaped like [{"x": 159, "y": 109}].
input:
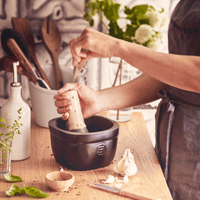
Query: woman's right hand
[
  {"x": 87, "y": 96},
  {"x": 90, "y": 44}
]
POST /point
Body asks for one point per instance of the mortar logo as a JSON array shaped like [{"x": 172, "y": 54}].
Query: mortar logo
[{"x": 101, "y": 148}]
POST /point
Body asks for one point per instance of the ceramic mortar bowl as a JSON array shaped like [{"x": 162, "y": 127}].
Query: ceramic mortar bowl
[
  {"x": 86, "y": 151},
  {"x": 59, "y": 180}
]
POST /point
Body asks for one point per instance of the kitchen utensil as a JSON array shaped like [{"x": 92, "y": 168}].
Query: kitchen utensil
[
  {"x": 75, "y": 121},
  {"x": 11, "y": 47},
  {"x": 86, "y": 151},
  {"x": 20, "y": 40},
  {"x": 120, "y": 192},
  {"x": 52, "y": 40},
  {"x": 6, "y": 63},
  {"x": 77, "y": 70},
  {"x": 22, "y": 26},
  {"x": 59, "y": 180}
]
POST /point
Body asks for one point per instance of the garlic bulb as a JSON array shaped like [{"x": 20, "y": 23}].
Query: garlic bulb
[{"x": 126, "y": 166}]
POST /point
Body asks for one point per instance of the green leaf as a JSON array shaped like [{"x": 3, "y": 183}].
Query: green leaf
[
  {"x": 34, "y": 192},
  {"x": 115, "y": 30},
  {"x": 111, "y": 10},
  {"x": 130, "y": 32},
  {"x": 30, "y": 190},
  {"x": 14, "y": 190},
  {"x": 12, "y": 178},
  {"x": 3, "y": 120},
  {"x": 137, "y": 13}
]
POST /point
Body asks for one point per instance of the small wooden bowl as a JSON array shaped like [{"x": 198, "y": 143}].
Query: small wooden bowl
[{"x": 59, "y": 180}]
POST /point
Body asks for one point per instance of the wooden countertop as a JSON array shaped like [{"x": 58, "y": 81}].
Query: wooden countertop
[{"x": 149, "y": 180}]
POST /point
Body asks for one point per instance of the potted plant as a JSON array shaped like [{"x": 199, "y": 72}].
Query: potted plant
[
  {"x": 143, "y": 24},
  {"x": 7, "y": 133}
]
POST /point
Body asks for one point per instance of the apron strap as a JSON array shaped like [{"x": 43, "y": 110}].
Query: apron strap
[{"x": 165, "y": 95}]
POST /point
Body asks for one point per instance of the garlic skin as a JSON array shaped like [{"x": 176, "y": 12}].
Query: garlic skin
[
  {"x": 126, "y": 165},
  {"x": 110, "y": 179}
]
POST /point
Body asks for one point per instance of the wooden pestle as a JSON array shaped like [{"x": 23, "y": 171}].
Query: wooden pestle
[{"x": 75, "y": 121}]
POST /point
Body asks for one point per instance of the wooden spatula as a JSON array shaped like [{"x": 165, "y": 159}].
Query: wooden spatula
[
  {"x": 52, "y": 40},
  {"x": 22, "y": 26}
]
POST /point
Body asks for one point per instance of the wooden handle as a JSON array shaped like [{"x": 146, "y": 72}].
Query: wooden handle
[
  {"x": 133, "y": 196},
  {"x": 75, "y": 120},
  {"x": 57, "y": 71},
  {"x": 13, "y": 46},
  {"x": 43, "y": 75},
  {"x": 77, "y": 70}
]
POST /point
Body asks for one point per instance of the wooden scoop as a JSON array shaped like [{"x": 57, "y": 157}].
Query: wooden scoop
[
  {"x": 76, "y": 122},
  {"x": 22, "y": 26},
  {"x": 52, "y": 40}
]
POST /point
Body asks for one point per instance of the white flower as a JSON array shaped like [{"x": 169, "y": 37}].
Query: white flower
[
  {"x": 155, "y": 18},
  {"x": 155, "y": 45},
  {"x": 143, "y": 33}
]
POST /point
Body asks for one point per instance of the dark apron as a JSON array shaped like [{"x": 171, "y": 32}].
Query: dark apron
[{"x": 178, "y": 114}]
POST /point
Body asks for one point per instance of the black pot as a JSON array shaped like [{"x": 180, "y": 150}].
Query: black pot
[{"x": 86, "y": 151}]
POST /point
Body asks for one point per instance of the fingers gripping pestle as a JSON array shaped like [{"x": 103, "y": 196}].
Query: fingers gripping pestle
[{"x": 76, "y": 122}]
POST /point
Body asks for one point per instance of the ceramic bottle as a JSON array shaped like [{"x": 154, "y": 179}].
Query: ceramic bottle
[{"x": 20, "y": 148}]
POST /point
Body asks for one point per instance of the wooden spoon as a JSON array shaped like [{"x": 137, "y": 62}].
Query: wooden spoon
[
  {"x": 22, "y": 26},
  {"x": 6, "y": 63},
  {"x": 52, "y": 40}
]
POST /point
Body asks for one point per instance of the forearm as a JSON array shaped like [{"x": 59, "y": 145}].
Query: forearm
[
  {"x": 138, "y": 91},
  {"x": 175, "y": 70}
]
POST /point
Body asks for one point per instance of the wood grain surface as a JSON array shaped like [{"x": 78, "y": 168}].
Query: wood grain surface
[{"x": 148, "y": 182}]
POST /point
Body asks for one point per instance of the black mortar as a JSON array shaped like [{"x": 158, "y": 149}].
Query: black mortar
[{"x": 86, "y": 151}]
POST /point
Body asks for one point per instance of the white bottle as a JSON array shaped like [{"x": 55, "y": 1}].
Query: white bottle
[{"x": 20, "y": 149}]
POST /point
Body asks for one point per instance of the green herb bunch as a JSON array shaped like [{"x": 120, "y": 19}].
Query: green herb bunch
[
  {"x": 6, "y": 139},
  {"x": 143, "y": 22}
]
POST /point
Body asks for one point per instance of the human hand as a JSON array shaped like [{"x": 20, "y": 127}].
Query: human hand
[
  {"x": 87, "y": 96},
  {"x": 91, "y": 44}
]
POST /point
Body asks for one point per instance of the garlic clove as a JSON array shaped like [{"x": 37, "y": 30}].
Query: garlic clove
[
  {"x": 131, "y": 169},
  {"x": 110, "y": 179}
]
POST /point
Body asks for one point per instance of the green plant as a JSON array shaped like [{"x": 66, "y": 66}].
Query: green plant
[
  {"x": 143, "y": 22},
  {"x": 6, "y": 138}
]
